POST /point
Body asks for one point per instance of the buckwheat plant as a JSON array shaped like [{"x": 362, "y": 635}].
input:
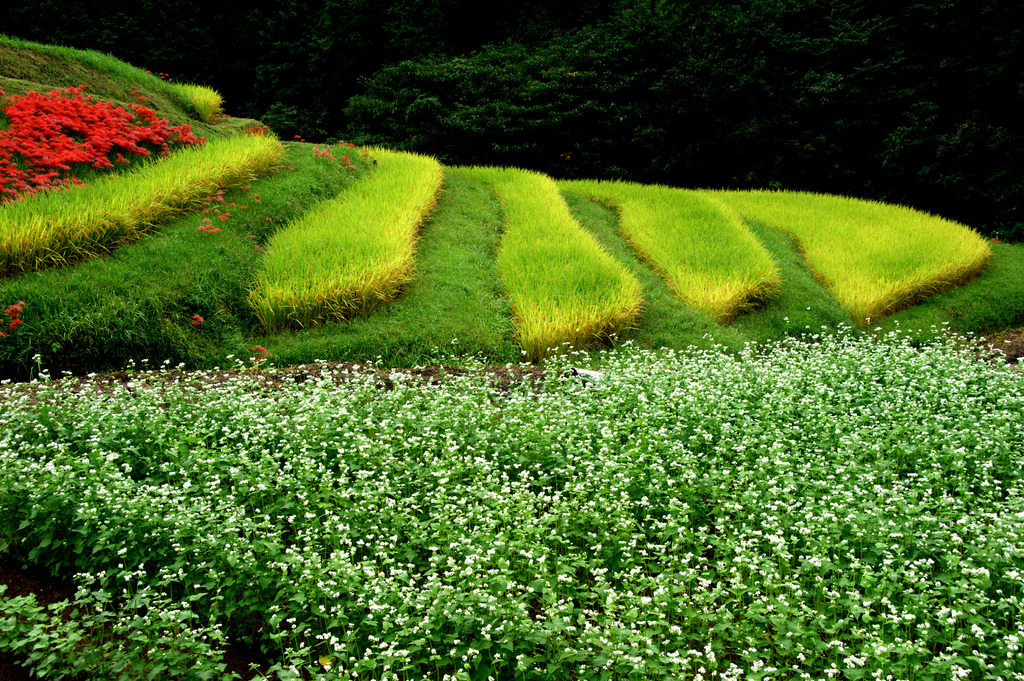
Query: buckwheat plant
[{"x": 827, "y": 508}]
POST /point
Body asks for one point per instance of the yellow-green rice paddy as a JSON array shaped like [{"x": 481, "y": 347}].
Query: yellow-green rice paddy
[
  {"x": 874, "y": 258},
  {"x": 563, "y": 287},
  {"x": 349, "y": 254},
  {"x": 706, "y": 255}
]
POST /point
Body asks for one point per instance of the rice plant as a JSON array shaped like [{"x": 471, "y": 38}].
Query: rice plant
[
  {"x": 350, "y": 254},
  {"x": 708, "y": 258},
  {"x": 874, "y": 258},
  {"x": 564, "y": 288},
  {"x": 66, "y": 226},
  {"x": 206, "y": 101}
]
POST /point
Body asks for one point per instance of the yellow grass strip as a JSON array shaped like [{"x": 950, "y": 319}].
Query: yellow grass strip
[
  {"x": 706, "y": 255},
  {"x": 207, "y": 102},
  {"x": 563, "y": 287},
  {"x": 349, "y": 254},
  {"x": 64, "y": 226},
  {"x": 874, "y": 258}
]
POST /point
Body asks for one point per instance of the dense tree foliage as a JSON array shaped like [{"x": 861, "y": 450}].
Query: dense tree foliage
[{"x": 919, "y": 102}]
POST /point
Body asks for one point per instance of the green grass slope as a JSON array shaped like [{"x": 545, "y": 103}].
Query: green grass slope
[
  {"x": 27, "y": 66},
  {"x": 138, "y": 303},
  {"x": 61, "y": 227}
]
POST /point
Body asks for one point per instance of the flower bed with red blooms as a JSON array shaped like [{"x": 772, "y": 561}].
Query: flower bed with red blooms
[{"x": 48, "y": 134}]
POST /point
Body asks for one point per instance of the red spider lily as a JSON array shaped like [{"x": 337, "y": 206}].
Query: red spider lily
[
  {"x": 14, "y": 312},
  {"x": 197, "y": 320},
  {"x": 49, "y": 133}
]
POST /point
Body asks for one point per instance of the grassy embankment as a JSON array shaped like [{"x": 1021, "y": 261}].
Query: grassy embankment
[
  {"x": 27, "y": 66},
  {"x": 453, "y": 306},
  {"x": 138, "y": 303},
  {"x": 350, "y": 254},
  {"x": 563, "y": 287}
]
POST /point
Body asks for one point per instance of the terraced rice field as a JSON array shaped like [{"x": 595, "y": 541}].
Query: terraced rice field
[
  {"x": 347, "y": 256},
  {"x": 708, "y": 257},
  {"x": 319, "y": 261},
  {"x": 874, "y": 258},
  {"x": 564, "y": 288},
  {"x": 350, "y": 254}
]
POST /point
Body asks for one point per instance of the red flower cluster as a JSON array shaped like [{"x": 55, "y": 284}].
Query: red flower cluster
[
  {"x": 263, "y": 353},
  {"x": 218, "y": 197},
  {"x": 326, "y": 153},
  {"x": 48, "y": 133},
  {"x": 208, "y": 227},
  {"x": 14, "y": 313},
  {"x": 197, "y": 320},
  {"x": 162, "y": 76}
]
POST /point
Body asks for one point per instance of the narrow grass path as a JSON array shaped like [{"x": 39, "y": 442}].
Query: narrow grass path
[
  {"x": 454, "y": 303},
  {"x": 705, "y": 253},
  {"x": 664, "y": 320},
  {"x": 565, "y": 290},
  {"x": 802, "y": 304},
  {"x": 350, "y": 254}
]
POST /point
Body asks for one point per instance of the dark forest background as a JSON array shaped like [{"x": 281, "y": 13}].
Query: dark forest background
[{"x": 914, "y": 102}]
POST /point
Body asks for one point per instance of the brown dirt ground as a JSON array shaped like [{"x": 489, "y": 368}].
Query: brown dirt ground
[
  {"x": 265, "y": 380},
  {"x": 1010, "y": 344}
]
